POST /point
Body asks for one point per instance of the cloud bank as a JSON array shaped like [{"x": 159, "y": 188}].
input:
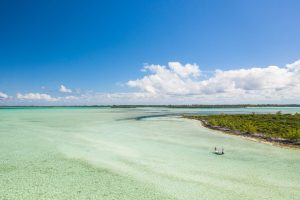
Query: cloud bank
[
  {"x": 262, "y": 83},
  {"x": 36, "y": 97},
  {"x": 178, "y": 83}
]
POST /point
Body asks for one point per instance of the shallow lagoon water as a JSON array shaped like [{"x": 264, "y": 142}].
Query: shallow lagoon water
[{"x": 142, "y": 153}]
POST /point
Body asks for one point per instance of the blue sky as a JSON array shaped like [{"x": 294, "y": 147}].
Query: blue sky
[{"x": 97, "y": 47}]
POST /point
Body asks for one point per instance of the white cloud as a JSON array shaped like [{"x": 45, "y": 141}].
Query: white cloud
[
  {"x": 185, "y": 84},
  {"x": 294, "y": 66},
  {"x": 249, "y": 84},
  {"x": 36, "y": 96},
  {"x": 168, "y": 80},
  {"x": 64, "y": 89},
  {"x": 184, "y": 70},
  {"x": 70, "y": 98},
  {"x": 3, "y": 95}
]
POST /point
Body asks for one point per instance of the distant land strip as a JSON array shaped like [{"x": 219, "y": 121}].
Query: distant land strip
[{"x": 163, "y": 106}]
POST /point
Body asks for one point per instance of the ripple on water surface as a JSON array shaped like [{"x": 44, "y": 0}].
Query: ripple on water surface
[{"x": 109, "y": 154}]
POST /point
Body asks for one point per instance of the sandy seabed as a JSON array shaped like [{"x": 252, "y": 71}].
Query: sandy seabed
[{"x": 85, "y": 153}]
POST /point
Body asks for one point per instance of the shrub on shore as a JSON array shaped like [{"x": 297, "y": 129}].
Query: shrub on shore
[{"x": 286, "y": 126}]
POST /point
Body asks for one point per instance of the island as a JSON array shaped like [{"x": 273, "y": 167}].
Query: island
[{"x": 279, "y": 129}]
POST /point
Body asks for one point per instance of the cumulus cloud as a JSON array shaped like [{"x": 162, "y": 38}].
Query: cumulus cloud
[
  {"x": 167, "y": 80},
  {"x": 184, "y": 70},
  {"x": 36, "y": 96},
  {"x": 256, "y": 83},
  {"x": 178, "y": 83},
  {"x": 64, "y": 89},
  {"x": 3, "y": 95}
]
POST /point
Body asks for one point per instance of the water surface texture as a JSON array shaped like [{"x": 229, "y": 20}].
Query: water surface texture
[{"x": 142, "y": 153}]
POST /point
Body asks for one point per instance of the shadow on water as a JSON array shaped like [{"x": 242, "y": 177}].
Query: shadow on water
[
  {"x": 185, "y": 113},
  {"x": 139, "y": 118}
]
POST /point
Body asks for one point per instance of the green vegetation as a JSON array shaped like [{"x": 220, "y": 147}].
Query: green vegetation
[{"x": 286, "y": 126}]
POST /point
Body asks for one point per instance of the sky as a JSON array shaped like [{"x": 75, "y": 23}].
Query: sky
[{"x": 149, "y": 52}]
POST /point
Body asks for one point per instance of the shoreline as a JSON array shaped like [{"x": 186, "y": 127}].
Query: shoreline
[{"x": 257, "y": 137}]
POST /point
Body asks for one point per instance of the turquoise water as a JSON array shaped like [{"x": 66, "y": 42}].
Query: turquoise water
[{"x": 143, "y": 153}]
